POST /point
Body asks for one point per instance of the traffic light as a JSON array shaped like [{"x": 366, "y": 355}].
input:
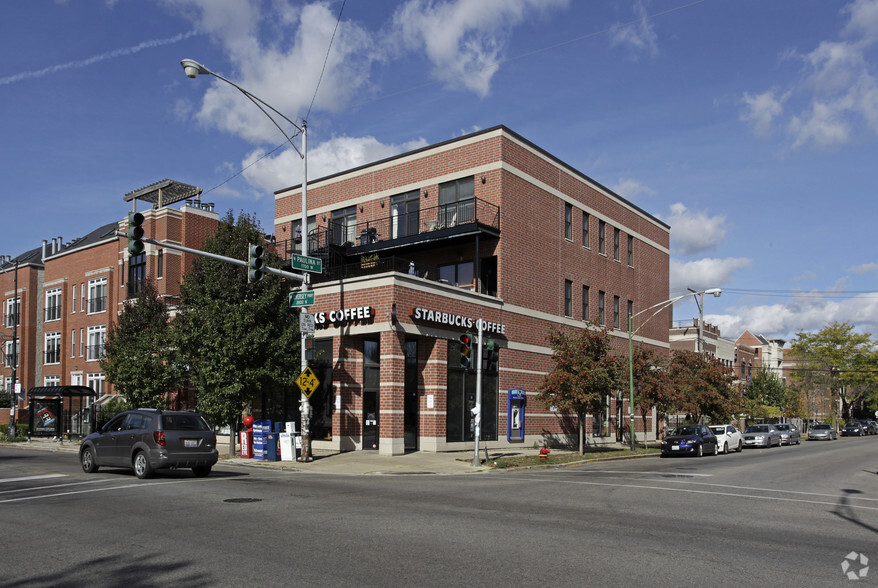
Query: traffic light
[
  {"x": 255, "y": 263},
  {"x": 135, "y": 233},
  {"x": 466, "y": 350},
  {"x": 490, "y": 357}
]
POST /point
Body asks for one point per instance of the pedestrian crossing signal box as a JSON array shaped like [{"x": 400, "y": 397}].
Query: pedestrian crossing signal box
[{"x": 516, "y": 400}]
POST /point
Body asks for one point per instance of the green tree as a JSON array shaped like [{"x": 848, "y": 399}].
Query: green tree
[
  {"x": 238, "y": 340},
  {"x": 704, "y": 386},
  {"x": 140, "y": 359},
  {"x": 766, "y": 395},
  {"x": 584, "y": 371},
  {"x": 652, "y": 384},
  {"x": 838, "y": 360}
]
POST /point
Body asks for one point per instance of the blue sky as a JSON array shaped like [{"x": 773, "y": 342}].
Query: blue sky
[{"x": 749, "y": 126}]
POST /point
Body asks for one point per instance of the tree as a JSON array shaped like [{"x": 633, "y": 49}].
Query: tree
[
  {"x": 140, "y": 359},
  {"x": 838, "y": 360},
  {"x": 704, "y": 386},
  {"x": 238, "y": 340},
  {"x": 652, "y": 384},
  {"x": 766, "y": 395},
  {"x": 584, "y": 372}
]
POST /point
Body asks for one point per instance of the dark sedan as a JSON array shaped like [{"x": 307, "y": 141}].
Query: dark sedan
[
  {"x": 853, "y": 429},
  {"x": 694, "y": 440}
]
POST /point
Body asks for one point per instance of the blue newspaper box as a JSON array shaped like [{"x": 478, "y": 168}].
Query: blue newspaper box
[
  {"x": 272, "y": 447},
  {"x": 261, "y": 430}
]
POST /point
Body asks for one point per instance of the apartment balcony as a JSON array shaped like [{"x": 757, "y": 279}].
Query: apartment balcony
[{"x": 343, "y": 247}]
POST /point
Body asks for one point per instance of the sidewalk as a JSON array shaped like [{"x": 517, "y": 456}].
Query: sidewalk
[{"x": 349, "y": 462}]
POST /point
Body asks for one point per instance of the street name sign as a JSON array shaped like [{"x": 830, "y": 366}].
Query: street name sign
[
  {"x": 301, "y": 298},
  {"x": 306, "y": 264}
]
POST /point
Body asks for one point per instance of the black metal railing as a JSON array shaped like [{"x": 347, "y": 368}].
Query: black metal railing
[
  {"x": 97, "y": 304},
  {"x": 53, "y": 313}
]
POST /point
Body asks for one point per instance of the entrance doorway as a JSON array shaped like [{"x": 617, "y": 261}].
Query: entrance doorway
[
  {"x": 410, "y": 420},
  {"x": 371, "y": 387}
]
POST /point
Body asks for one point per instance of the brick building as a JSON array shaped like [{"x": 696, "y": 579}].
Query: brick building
[
  {"x": 418, "y": 248},
  {"x": 71, "y": 293}
]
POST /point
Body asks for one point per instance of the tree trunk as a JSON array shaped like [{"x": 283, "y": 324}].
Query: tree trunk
[
  {"x": 581, "y": 419},
  {"x": 233, "y": 434}
]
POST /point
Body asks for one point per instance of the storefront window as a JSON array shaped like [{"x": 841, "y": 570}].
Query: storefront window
[{"x": 461, "y": 398}]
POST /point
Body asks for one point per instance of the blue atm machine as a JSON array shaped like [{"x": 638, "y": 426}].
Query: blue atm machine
[{"x": 516, "y": 399}]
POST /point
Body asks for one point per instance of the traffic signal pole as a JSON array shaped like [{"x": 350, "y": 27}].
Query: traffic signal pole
[{"x": 477, "y": 411}]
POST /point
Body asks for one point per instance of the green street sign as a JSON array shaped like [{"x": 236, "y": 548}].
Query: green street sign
[
  {"x": 306, "y": 264},
  {"x": 301, "y": 298}
]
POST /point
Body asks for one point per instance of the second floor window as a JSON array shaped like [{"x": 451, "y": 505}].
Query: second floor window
[
  {"x": 568, "y": 298},
  {"x": 97, "y": 336},
  {"x": 616, "y": 244},
  {"x": 12, "y": 356},
  {"x": 585, "y": 295},
  {"x": 585, "y": 220},
  {"x": 459, "y": 274},
  {"x": 601, "y": 300},
  {"x": 10, "y": 315},
  {"x": 602, "y": 235},
  {"x": 53, "y": 347},
  {"x": 615, "y": 312},
  {"x": 630, "y": 251},
  {"x": 97, "y": 295},
  {"x": 53, "y": 304}
]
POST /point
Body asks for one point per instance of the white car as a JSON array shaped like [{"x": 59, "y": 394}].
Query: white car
[{"x": 727, "y": 437}]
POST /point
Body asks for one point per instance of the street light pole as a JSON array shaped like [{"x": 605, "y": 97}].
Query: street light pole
[
  {"x": 193, "y": 69},
  {"x": 660, "y": 306}
]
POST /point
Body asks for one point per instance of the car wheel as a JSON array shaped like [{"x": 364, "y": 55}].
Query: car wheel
[
  {"x": 725, "y": 447},
  {"x": 740, "y": 446},
  {"x": 88, "y": 461},
  {"x": 700, "y": 451},
  {"x": 201, "y": 471},
  {"x": 142, "y": 467}
]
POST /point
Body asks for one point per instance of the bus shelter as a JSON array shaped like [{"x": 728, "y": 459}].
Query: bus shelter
[{"x": 61, "y": 410}]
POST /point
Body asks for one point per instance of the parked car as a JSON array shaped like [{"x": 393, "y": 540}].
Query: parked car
[
  {"x": 853, "y": 429},
  {"x": 789, "y": 434},
  {"x": 761, "y": 436},
  {"x": 694, "y": 440},
  {"x": 145, "y": 440},
  {"x": 819, "y": 431},
  {"x": 728, "y": 436},
  {"x": 873, "y": 427}
]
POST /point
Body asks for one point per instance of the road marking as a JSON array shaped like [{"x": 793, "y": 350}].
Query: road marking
[
  {"x": 25, "y": 479},
  {"x": 712, "y": 493},
  {"x": 35, "y": 488},
  {"x": 125, "y": 487}
]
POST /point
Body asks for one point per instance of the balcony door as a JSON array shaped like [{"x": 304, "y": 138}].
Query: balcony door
[{"x": 405, "y": 214}]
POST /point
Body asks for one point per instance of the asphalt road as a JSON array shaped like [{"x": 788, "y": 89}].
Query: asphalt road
[{"x": 786, "y": 516}]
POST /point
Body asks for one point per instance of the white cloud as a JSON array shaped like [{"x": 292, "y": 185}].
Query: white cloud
[
  {"x": 639, "y": 35},
  {"x": 866, "y": 268},
  {"x": 631, "y": 189},
  {"x": 761, "y": 110},
  {"x": 694, "y": 232},
  {"x": 464, "y": 39},
  {"x": 704, "y": 273},
  {"x": 337, "y": 154},
  {"x": 804, "y": 312},
  {"x": 840, "y": 87}
]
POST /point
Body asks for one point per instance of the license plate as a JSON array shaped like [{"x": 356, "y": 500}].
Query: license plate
[
  {"x": 675, "y": 448},
  {"x": 190, "y": 443}
]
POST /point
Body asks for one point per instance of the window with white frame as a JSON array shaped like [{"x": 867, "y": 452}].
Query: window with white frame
[
  {"x": 51, "y": 380},
  {"x": 97, "y": 336},
  {"x": 12, "y": 355},
  {"x": 95, "y": 381},
  {"x": 10, "y": 314},
  {"x": 53, "y": 347},
  {"x": 97, "y": 295},
  {"x": 73, "y": 300},
  {"x": 53, "y": 304},
  {"x": 72, "y": 342}
]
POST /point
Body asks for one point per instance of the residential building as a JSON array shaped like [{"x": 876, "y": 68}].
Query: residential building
[{"x": 768, "y": 352}]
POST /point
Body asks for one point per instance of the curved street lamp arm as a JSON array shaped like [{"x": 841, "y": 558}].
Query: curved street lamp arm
[{"x": 193, "y": 68}]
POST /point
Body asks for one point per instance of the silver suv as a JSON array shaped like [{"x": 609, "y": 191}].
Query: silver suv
[{"x": 149, "y": 439}]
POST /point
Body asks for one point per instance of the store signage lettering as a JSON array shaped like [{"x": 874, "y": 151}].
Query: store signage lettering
[
  {"x": 456, "y": 320},
  {"x": 343, "y": 315}
]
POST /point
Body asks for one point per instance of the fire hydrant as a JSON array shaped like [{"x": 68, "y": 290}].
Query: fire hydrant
[{"x": 544, "y": 454}]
